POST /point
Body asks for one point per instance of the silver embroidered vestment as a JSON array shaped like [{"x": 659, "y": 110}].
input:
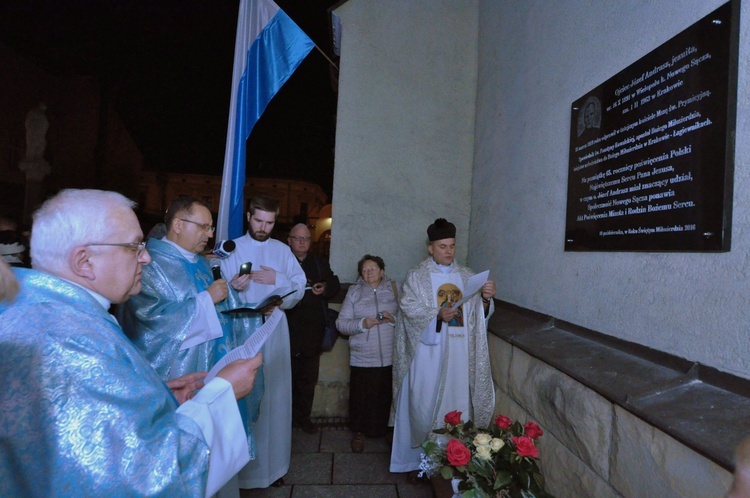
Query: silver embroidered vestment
[
  {"x": 74, "y": 400},
  {"x": 417, "y": 311},
  {"x": 157, "y": 320}
]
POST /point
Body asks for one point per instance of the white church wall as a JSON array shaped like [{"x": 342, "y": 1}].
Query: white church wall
[
  {"x": 535, "y": 58},
  {"x": 405, "y": 125}
]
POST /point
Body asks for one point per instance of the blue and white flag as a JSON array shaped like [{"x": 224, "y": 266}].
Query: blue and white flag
[{"x": 268, "y": 49}]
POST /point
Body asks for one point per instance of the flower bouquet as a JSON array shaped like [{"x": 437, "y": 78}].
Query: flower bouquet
[{"x": 497, "y": 462}]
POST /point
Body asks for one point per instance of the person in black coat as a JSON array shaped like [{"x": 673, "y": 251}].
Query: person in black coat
[{"x": 307, "y": 322}]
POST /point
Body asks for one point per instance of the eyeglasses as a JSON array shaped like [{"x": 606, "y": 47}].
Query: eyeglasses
[
  {"x": 300, "y": 239},
  {"x": 137, "y": 247},
  {"x": 370, "y": 270},
  {"x": 205, "y": 226}
]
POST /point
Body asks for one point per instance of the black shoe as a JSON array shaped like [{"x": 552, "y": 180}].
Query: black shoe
[
  {"x": 308, "y": 427},
  {"x": 278, "y": 482}
]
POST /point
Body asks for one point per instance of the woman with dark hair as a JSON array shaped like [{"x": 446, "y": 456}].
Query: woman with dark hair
[{"x": 368, "y": 316}]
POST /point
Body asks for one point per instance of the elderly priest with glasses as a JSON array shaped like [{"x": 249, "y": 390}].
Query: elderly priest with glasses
[{"x": 83, "y": 413}]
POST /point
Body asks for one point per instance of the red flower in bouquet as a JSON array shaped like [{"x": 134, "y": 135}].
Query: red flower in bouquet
[
  {"x": 503, "y": 422},
  {"x": 525, "y": 446},
  {"x": 532, "y": 430},
  {"x": 500, "y": 460},
  {"x": 453, "y": 418},
  {"x": 457, "y": 454}
]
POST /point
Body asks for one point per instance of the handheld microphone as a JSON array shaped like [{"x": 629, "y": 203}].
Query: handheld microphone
[
  {"x": 224, "y": 248},
  {"x": 216, "y": 267}
]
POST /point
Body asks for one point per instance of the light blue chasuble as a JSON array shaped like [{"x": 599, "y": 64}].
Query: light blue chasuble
[
  {"x": 82, "y": 413},
  {"x": 157, "y": 320}
]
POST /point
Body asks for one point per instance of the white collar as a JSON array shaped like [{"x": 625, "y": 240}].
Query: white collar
[
  {"x": 106, "y": 303},
  {"x": 189, "y": 255},
  {"x": 443, "y": 268}
]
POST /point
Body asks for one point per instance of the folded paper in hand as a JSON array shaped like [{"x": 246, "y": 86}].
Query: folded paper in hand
[
  {"x": 251, "y": 347},
  {"x": 258, "y": 308},
  {"x": 473, "y": 285}
]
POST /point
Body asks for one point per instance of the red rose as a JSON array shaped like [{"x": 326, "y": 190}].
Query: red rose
[
  {"x": 457, "y": 454},
  {"x": 532, "y": 430},
  {"x": 503, "y": 422},
  {"x": 525, "y": 446},
  {"x": 453, "y": 418}
]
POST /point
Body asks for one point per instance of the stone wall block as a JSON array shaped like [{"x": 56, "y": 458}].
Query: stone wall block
[
  {"x": 507, "y": 406},
  {"x": 566, "y": 475},
  {"x": 501, "y": 353},
  {"x": 331, "y": 400},
  {"x": 647, "y": 462},
  {"x": 576, "y": 415}
]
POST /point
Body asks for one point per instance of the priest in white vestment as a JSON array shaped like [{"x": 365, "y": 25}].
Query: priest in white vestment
[
  {"x": 275, "y": 270},
  {"x": 440, "y": 358}
]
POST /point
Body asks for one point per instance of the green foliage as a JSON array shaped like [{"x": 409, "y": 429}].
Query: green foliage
[
  {"x": 447, "y": 472},
  {"x": 503, "y": 479}
]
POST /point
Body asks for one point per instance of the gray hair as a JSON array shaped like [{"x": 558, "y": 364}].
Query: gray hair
[{"x": 69, "y": 219}]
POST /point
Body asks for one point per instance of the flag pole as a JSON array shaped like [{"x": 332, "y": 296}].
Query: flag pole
[{"x": 327, "y": 58}]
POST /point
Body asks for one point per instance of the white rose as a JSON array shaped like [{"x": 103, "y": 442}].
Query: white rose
[
  {"x": 496, "y": 444},
  {"x": 484, "y": 453},
  {"x": 482, "y": 440}
]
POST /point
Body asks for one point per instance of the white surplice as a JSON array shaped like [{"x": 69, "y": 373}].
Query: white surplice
[{"x": 273, "y": 430}]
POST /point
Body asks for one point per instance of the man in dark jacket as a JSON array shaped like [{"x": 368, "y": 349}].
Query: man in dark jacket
[{"x": 307, "y": 322}]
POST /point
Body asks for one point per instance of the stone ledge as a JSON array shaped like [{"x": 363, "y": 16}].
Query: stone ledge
[{"x": 701, "y": 407}]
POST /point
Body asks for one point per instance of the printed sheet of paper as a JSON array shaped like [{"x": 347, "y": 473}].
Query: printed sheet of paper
[
  {"x": 473, "y": 285},
  {"x": 251, "y": 347}
]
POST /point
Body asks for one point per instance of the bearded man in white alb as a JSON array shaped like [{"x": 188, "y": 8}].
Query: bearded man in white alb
[{"x": 275, "y": 270}]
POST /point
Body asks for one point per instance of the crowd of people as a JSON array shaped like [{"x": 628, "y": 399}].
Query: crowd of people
[{"x": 111, "y": 338}]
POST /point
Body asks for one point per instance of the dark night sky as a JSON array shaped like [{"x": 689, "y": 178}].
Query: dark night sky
[{"x": 166, "y": 66}]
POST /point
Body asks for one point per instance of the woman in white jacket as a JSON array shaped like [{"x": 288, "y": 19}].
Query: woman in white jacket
[{"x": 368, "y": 316}]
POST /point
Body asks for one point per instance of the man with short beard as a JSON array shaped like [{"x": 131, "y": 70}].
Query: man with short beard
[{"x": 275, "y": 270}]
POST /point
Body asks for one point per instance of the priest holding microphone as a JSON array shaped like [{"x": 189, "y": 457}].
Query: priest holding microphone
[{"x": 176, "y": 319}]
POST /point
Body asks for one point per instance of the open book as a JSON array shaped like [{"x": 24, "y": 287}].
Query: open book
[{"x": 274, "y": 299}]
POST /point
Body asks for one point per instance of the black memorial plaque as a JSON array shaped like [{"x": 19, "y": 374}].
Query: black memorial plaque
[{"x": 652, "y": 149}]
